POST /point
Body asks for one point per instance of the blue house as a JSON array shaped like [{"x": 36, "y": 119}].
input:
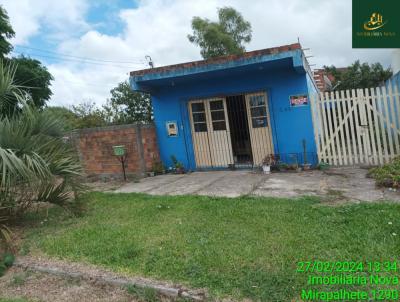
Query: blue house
[{"x": 233, "y": 110}]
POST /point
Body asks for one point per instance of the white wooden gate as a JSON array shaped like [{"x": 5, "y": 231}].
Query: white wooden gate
[{"x": 357, "y": 127}]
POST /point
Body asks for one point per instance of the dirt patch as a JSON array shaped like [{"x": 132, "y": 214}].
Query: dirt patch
[
  {"x": 18, "y": 283},
  {"x": 105, "y": 186},
  {"x": 93, "y": 279}
]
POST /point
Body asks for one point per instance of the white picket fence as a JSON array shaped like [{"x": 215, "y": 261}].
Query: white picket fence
[{"x": 357, "y": 127}]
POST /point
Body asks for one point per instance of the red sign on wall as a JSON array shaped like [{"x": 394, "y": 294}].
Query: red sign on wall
[{"x": 298, "y": 100}]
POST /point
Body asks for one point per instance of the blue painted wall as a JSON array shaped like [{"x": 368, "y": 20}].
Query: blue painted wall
[{"x": 289, "y": 125}]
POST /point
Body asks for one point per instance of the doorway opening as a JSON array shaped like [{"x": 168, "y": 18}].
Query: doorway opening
[{"x": 239, "y": 129}]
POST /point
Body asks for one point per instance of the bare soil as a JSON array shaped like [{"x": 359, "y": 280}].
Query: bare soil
[
  {"x": 44, "y": 279},
  {"x": 33, "y": 286}
]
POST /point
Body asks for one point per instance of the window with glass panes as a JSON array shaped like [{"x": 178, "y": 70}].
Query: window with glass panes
[
  {"x": 199, "y": 117},
  {"x": 258, "y": 111},
  {"x": 217, "y": 115}
]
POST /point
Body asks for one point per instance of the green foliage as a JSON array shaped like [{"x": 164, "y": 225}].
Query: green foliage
[
  {"x": 13, "y": 300},
  {"x": 157, "y": 166},
  {"x": 143, "y": 294},
  {"x": 12, "y": 95},
  {"x": 3, "y": 269},
  {"x": 282, "y": 166},
  {"x": 126, "y": 106},
  {"x": 68, "y": 118},
  {"x": 177, "y": 165},
  {"x": 88, "y": 115},
  {"x": 6, "y": 261},
  {"x": 225, "y": 37},
  {"x": 6, "y": 33},
  {"x": 174, "y": 160},
  {"x": 236, "y": 247},
  {"x": 387, "y": 175},
  {"x": 30, "y": 74},
  {"x": 19, "y": 279},
  {"x": 323, "y": 166},
  {"x": 36, "y": 164},
  {"x": 359, "y": 75},
  {"x": 35, "y": 78}
]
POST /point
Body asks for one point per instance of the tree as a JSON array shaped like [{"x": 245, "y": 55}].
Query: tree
[
  {"x": 30, "y": 74},
  {"x": 88, "y": 115},
  {"x": 127, "y": 106},
  {"x": 68, "y": 118},
  {"x": 35, "y": 78},
  {"x": 6, "y": 33},
  {"x": 12, "y": 95},
  {"x": 220, "y": 38},
  {"x": 358, "y": 75}
]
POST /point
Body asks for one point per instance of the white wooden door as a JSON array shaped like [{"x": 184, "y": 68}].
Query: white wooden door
[
  {"x": 199, "y": 125},
  {"x": 219, "y": 134},
  {"x": 210, "y": 132},
  {"x": 259, "y": 126}
]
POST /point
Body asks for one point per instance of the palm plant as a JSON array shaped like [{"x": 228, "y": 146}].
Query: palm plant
[{"x": 36, "y": 162}]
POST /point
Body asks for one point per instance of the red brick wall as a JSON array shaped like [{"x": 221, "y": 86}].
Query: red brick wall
[
  {"x": 96, "y": 153},
  {"x": 150, "y": 147}
]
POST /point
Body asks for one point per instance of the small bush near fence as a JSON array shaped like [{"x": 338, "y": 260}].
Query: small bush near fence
[{"x": 387, "y": 175}]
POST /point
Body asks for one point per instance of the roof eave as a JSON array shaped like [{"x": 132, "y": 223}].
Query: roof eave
[{"x": 295, "y": 54}]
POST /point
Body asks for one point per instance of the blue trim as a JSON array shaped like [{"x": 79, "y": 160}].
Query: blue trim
[
  {"x": 296, "y": 55},
  {"x": 289, "y": 126}
]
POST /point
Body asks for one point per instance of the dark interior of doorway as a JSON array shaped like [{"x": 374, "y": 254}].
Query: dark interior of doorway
[{"x": 239, "y": 128}]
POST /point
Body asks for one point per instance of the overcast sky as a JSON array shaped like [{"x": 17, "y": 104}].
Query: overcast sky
[{"x": 118, "y": 34}]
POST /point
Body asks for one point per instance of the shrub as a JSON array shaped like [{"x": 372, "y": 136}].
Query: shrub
[
  {"x": 387, "y": 175},
  {"x": 36, "y": 162},
  {"x": 157, "y": 167},
  {"x": 6, "y": 262}
]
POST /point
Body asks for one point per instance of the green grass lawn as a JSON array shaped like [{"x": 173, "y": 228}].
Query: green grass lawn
[
  {"x": 13, "y": 300},
  {"x": 241, "y": 247}
]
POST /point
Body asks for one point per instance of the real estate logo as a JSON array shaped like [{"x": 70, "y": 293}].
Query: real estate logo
[{"x": 376, "y": 24}]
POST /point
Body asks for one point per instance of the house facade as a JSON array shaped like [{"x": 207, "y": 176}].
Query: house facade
[{"x": 233, "y": 110}]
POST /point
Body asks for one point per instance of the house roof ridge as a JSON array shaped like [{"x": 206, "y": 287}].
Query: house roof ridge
[{"x": 220, "y": 59}]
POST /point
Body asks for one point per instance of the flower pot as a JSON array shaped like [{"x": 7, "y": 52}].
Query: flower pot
[
  {"x": 266, "y": 169},
  {"x": 180, "y": 170}
]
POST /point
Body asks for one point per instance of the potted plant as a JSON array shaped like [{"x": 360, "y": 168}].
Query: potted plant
[
  {"x": 283, "y": 167},
  {"x": 177, "y": 166},
  {"x": 323, "y": 166},
  {"x": 179, "y": 169},
  {"x": 266, "y": 164}
]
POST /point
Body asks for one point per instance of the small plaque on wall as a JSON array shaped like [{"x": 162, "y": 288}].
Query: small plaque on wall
[
  {"x": 172, "y": 129},
  {"x": 298, "y": 100}
]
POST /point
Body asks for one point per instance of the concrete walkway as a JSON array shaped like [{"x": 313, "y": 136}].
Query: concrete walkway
[{"x": 340, "y": 184}]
